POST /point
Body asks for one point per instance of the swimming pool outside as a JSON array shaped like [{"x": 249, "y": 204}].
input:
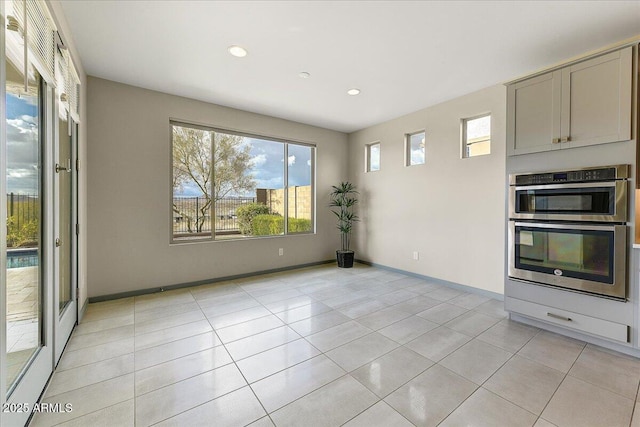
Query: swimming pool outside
[{"x": 17, "y": 258}]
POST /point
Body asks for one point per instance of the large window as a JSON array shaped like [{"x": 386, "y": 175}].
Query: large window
[
  {"x": 231, "y": 186},
  {"x": 476, "y": 136}
]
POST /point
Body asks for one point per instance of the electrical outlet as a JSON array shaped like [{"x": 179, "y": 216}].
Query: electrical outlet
[
  {"x": 416, "y": 255},
  {"x": 280, "y": 251}
]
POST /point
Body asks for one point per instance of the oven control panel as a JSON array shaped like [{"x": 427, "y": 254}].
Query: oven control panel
[{"x": 583, "y": 175}]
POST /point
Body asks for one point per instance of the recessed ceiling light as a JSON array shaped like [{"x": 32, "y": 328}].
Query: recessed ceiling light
[
  {"x": 304, "y": 75},
  {"x": 353, "y": 92},
  {"x": 238, "y": 51}
]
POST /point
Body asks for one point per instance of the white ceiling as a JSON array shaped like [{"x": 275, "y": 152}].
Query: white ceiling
[{"x": 404, "y": 56}]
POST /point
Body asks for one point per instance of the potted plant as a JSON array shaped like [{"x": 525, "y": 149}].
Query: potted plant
[{"x": 344, "y": 198}]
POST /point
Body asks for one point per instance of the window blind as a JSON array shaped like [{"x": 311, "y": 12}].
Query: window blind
[
  {"x": 55, "y": 66},
  {"x": 39, "y": 30},
  {"x": 68, "y": 85},
  {"x": 73, "y": 89},
  {"x": 41, "y": 37},
  {"x": 61, "y": 84}
]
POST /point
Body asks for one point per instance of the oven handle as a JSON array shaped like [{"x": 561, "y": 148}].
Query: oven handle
[
  {"x": 599, "y": 184},
  {"x": 567, "y": 226}
]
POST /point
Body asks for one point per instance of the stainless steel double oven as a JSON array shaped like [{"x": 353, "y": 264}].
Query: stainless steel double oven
[{"x": 568, "y": 229}]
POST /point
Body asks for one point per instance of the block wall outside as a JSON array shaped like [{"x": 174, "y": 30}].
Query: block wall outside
[{"x": 300, "y": 198}]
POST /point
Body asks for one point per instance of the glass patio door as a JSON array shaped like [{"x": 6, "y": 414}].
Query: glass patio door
[
  {"x": 65, "y": 242},
  {"x": 27, "y": 361}
]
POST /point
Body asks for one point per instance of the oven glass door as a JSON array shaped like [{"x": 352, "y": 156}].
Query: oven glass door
[
  {"x": 605, "y": 201},
  {"x": 583, "y": 257}
]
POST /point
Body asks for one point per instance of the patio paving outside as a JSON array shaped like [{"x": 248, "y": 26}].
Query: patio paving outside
[{"x": 22, "y": 317}]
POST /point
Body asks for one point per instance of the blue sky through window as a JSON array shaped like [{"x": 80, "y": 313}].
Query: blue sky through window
[
  {"x": 267, "y": 166},
  {"x": 22, "y": 144}
]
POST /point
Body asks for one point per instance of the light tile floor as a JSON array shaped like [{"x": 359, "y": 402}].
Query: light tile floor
[{"x": 327, "y": 347}]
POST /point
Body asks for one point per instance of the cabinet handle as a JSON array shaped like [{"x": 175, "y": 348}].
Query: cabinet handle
[
  {"x": 555, "y": 140},
  {"x": 555, "y": 316},
  {"x": 565, "y": 139}
]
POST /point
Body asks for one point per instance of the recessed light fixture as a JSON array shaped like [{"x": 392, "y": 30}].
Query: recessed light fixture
[
  {"x": 238, "y": 51},
  {"x": 353, "y": 92},
  {"x": 304, "y": 75}
]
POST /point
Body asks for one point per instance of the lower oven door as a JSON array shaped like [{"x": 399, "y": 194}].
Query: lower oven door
[{"x": 589, "y": 258}]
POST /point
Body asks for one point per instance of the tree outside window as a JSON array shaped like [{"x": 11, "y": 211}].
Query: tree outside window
[{"x": 230, "y": 186}]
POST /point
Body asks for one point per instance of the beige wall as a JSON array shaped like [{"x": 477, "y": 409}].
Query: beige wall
[
  {"x": 129, "y": 218},
  {"x": 451, "y": 210}
]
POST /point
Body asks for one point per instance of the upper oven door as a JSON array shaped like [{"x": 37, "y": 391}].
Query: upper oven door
[
  {"x": 583, "y": 257},
  {"x": 593, "y": 202}
]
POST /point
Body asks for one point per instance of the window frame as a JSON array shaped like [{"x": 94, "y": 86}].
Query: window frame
[
  {"x": 211, "y": 237},
  {"x": 367, "y": 156},
  {"x": 407, "y": 148},
  {"x": 464, "y": 152}
]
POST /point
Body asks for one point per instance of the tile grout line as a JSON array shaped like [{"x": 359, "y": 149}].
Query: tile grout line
[
  {"x": 240, "y": 371},
  {"x": 434, "y": 362},
  {"x": 168, "y": 385},
  {"x": 289, "y": 285},
  {"x": 249, "y": 384},
  {"x": 566, "y": 374},
  {"x": 173, "y": 340},
  {"x": 91, "y": 363},
  {"x": 88, "y": 385},
  {"x": 636, "y": 406},
  {"x": 134, "y": 369},
  {"x": 634, "y": 398},
  {"x": 513, "y": 355},
  {"x": 233, "y": 359},
  {"x": 380, "y": 399},
  {"x": 244, "y": 377},
  {"x": 107, "y": 342},
  {"x": 404, "y": 346},
  {"x": 480, "y": 386},
  {"x": 268, "y": 414}
]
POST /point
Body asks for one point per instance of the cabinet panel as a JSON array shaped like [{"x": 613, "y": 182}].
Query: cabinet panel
[
  {"x": 534, "y": 120},
  {"x": 586, "y": 103},
  {"x": 568, "y": 319},
  {"x": 598, "y": 100}
]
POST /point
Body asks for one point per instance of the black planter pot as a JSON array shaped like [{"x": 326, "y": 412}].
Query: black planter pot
[{"x": 345, "y": 258}]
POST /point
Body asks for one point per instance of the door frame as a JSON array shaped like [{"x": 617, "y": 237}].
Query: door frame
[
  {"x": 64, "y": 323},
  {"x": 32, "y": 382}
]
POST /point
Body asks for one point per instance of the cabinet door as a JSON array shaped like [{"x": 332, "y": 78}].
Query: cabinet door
[
  {"x": 533, "y": 114},
  {"x": 596, "y": 100}
]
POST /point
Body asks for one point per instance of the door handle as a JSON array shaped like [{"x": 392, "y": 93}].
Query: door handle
[
  {"x": 58, "y": 242},
  {"x": 60, "y": 168}
]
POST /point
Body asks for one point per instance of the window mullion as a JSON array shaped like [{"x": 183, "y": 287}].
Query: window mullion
[
  {"x": 286, "y": 189},
  {"x": 212, "y": 207}
]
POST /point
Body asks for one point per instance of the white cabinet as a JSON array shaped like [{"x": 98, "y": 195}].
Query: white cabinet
[
  {"x": 568, "y": 319},
  {"x": 586, "y": 103}
]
